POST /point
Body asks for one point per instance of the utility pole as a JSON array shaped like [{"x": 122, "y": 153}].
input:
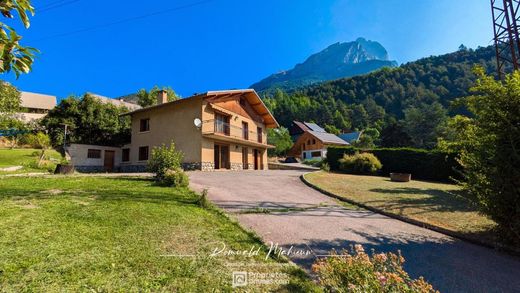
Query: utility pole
[
  {"x": 65, "y": 138},
  {"x": 506, "y": 22}
]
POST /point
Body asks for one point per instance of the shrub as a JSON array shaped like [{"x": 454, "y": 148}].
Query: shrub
[
  {"x": 203, "y": 201},
  {"x": 325, "y": 167},
  {"x": 164, "y": 158},
  {"x": 313, "y": 162},
  {"x": 360, "y": 163},
  {"x": 175, "y": 178},
  {"x": 359, "y": 272},
  {"x": 422, "y": 164}
]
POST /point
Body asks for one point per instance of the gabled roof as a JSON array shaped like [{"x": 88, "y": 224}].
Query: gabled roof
[
  {"x": 328, "y": 138},
  {"x": 314, "y": 127},
  {"x": 301, "y": 126},
  {"x": 251, "y": 96},
  {"x": 350, "y": 137}
]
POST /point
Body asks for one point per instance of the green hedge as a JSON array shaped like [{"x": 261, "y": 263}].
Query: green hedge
[{"x": 422, "y": 164}]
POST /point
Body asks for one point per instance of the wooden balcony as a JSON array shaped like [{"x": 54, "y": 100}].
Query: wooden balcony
[{"x": 222, "y": 131}]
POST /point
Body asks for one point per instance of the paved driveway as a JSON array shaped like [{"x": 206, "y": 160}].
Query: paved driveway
[{"x": 310, "y": 221}]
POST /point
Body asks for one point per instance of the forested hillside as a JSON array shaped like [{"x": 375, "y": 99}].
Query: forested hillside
[{"x": 391, "y": 100}]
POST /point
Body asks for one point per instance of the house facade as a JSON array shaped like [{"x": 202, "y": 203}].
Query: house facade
[
  {"x": 35, "y": 106},
  {"x": 215, "y": 130},
  {"x": 313, "y": 142}
]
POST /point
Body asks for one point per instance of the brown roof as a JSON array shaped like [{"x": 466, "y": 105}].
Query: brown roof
[{"x": 252, "y": 97}]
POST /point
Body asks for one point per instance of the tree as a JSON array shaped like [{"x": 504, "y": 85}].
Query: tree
[
  {"x": 423, "y": 124},
  {"x": 281, "y": 139},
  {"x": 394, "y": 136},
  {"x": 368, "y": 139},
  {"x": 149, "y": 98},
  {"x": 9, "y": 98},
  {"x": 332, "y": 129},
  {"x": 89, "y": 121},
  {"x": 455, "y": 134},
  {"x": 490, "y": 153},
  {"x": 14, "y": 56},
  {"x": 41, "y": 141}
]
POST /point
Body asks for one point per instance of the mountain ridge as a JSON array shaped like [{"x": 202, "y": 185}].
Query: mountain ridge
[{"x": 338, "y": 60}]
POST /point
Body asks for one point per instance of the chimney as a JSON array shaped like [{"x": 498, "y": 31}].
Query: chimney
[{"x": 162, "y": 97}]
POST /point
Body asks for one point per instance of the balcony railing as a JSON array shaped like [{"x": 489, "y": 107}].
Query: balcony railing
[{"x": 219, "y": 127}]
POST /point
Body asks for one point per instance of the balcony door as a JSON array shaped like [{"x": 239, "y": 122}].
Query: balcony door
[
  {"x": 222, "y": 124},
  {"x": 221, "y": 156}
]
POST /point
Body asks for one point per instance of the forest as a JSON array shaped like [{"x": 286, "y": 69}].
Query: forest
[{"x": 410, "y": 105}]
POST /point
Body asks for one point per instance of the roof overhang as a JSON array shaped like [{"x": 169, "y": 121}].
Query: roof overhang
[{"x": 253, "y": 99}]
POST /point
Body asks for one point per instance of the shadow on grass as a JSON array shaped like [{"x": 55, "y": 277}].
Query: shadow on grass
[
  {"x": 430, "y": 200},
  {"x": 449, "y": 265}
]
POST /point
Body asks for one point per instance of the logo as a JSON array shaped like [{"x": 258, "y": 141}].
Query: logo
[{"x": 239, "y": 279}]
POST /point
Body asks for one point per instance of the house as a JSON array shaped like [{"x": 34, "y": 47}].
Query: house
[
  {"x": 351, "y": 137},
  {"x": 298, "y": 128},
  {"x": 35, "y": 106},
  {"x": 116, "y": 102},
  {"x": 313, "y": 142},
  {"x": 214, "y": 130}
]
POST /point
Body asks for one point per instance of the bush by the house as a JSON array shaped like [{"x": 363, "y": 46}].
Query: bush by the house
[
  {"x": 422, "y": 164},
  {"x": 357, "y": 271},
  {"x": 165, "y": 159},
  {"x": 175, "y": 178},
  {"x": 360, "y": 163}
]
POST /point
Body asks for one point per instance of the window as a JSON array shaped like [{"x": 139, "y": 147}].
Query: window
[
  {"x": 309, "y": 142},
  {"x": 94, "y": 154},
  {"x": 245, "y": 130},
  {"x": 222, "y": 124},
  {"x": 126, "y": 155},
  {"x": 313, "y": 141},
  {"x": 145, "y": 125},
  {"x": 143, "y": 153},
  {"x": 316, "y": 154},
  {"x": 259, "y": 131}
]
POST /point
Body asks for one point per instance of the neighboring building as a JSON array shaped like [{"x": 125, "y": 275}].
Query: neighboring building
[
  {"x": 351, "y": 137},
  {"x": 313, "y": 142},
  {"x": 298, "y": 128},
  {"x": 214, "y": 130},
  {"x": 93, "y": 158},
  {"x": 35, "y": 106},
  {"x": 116, "y": 102}
]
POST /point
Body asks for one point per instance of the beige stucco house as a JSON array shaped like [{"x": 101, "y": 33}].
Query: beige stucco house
[{"x": 214, "y": 130}]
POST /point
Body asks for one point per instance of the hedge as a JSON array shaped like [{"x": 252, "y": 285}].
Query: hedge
[{"x": 422, "y": 164}]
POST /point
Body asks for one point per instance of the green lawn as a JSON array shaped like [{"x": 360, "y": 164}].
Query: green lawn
[
  {"x": 438, "y": 204},
  {"x": 121, "y": 234},
  {"x": 27, "y": 159}
]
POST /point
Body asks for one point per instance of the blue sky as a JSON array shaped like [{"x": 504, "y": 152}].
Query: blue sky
[{"x": 199, "y": 45}]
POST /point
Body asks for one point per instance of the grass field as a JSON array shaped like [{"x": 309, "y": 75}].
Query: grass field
[
  {"x": 27, "y": 159},
  {"x": 121, "y": 234},
  {"x": 438, "y": 204}
]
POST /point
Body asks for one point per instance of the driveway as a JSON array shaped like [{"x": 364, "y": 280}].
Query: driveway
[{"x": 307, "y": 220}]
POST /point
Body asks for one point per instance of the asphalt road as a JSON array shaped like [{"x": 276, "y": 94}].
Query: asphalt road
[{"x": 311, "y": 222}]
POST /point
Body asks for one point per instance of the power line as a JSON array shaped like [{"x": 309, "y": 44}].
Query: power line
[
  {"x": 126, "y": 20},
  {"x": 54, "y": 5}
]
